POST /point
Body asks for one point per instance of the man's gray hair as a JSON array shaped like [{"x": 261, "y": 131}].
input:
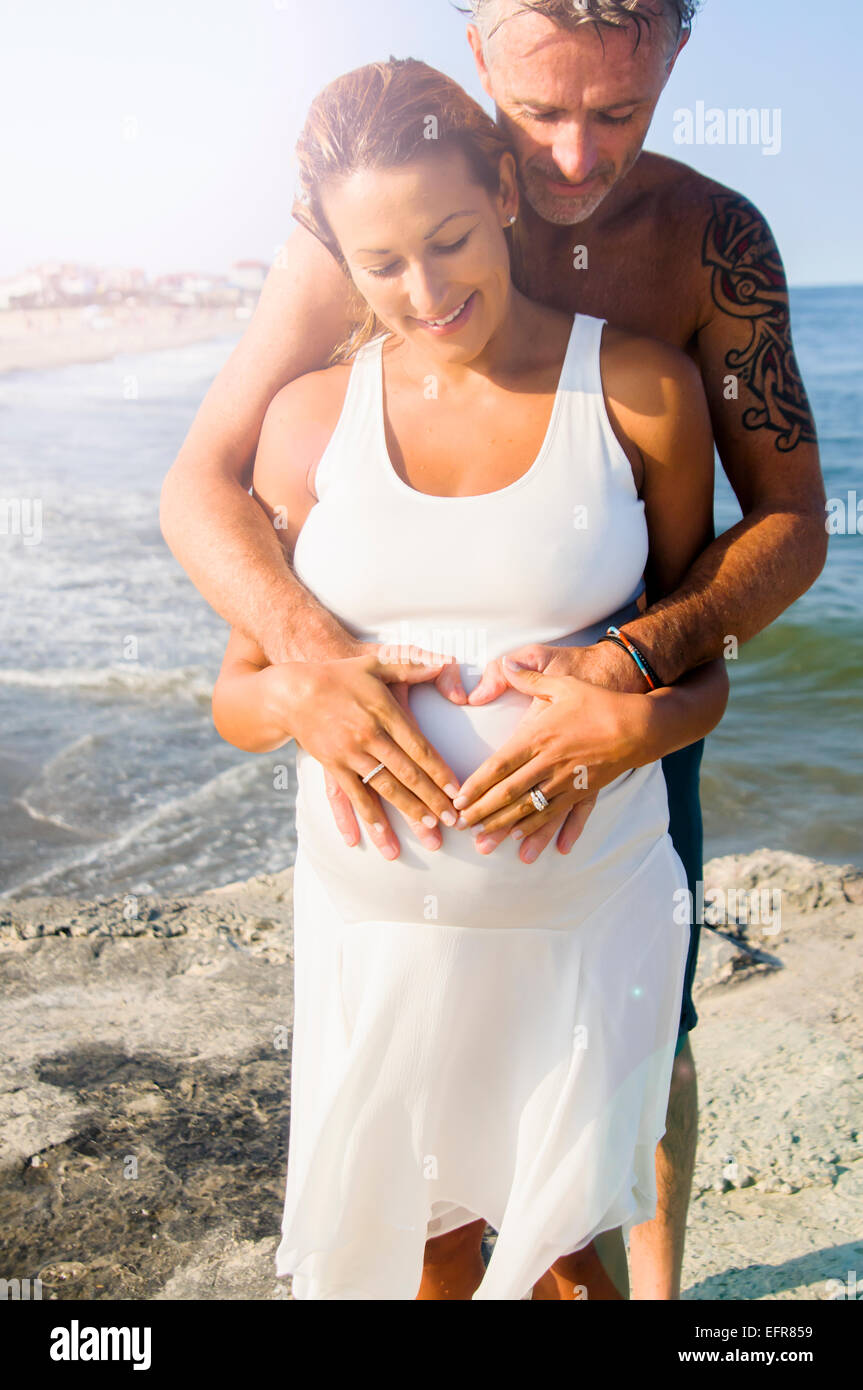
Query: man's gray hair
[{"x": 489, "y": 15}]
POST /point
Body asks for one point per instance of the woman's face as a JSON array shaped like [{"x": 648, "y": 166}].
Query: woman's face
[{"x": 424, "y": 242}]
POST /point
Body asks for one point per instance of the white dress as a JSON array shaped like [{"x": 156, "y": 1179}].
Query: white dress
[{"x": 475, "y": 1037}]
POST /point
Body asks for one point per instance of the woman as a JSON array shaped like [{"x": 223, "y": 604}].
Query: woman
[{"x": 473, "y": 1040}]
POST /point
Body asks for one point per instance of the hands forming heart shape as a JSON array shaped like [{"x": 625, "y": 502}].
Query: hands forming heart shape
[{"x": 573, "y": 739}]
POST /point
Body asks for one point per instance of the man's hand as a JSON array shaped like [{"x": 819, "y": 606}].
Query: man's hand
[
  {"x": 574, "y": 740},
  {"x": 352, "y": 713},
  {"x": 603, "y": 664}
]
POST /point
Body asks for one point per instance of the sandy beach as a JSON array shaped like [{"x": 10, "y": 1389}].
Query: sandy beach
[
  {"x": 146, "y": 1067},
  {"x": 40, "y": 338}
]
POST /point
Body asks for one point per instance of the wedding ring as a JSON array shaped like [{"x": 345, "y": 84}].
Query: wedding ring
[
  {"x": 374, "y": 772},
  {"x": 540, "y": 802}
]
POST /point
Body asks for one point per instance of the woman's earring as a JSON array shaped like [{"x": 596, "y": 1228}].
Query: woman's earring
[{"x": 512, "y": 220}]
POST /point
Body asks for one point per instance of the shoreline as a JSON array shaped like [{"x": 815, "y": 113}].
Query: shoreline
[
  {"x": 160, "y": 1029},
  {"x": 40, "y": 339}
]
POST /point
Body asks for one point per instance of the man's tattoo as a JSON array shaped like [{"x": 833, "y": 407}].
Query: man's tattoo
[{"x": 748, "y": 282}]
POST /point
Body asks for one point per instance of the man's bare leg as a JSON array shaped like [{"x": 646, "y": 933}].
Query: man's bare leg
[
  {"x": 598, "y": 1273},
  {"x": 656, "y": 1247}
]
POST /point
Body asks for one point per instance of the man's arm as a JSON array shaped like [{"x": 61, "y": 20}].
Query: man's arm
[
  {"x": 766, "y": 440},
  {"x": 214, "y": 527}
]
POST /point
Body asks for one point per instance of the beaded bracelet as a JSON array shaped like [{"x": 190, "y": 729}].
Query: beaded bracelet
[{"x": 621, "y": 640}]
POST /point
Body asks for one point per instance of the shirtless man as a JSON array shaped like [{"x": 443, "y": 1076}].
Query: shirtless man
[{"x": 664, "y": 252}]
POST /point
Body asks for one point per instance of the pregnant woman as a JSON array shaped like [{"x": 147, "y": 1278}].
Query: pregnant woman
[{"x": 474, "y": 1039}]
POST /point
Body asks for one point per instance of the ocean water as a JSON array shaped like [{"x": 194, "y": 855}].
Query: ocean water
[{"x": 112, "y": 777}]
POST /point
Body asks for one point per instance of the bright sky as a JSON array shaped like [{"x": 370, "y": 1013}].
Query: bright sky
[{"x": 161, "y": 135}]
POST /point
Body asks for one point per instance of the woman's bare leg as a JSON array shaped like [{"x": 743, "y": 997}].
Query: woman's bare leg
[{"x": 453, "y": 1266}]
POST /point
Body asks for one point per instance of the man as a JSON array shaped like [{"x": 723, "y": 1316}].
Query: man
[{"x": 657, "y": 249}]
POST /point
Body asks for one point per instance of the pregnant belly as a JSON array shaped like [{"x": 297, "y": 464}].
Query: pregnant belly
[
  {"x": 465, "y": 735},
  {"x": 456, "y": 885}
]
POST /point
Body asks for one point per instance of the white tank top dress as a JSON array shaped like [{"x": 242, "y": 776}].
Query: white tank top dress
[{"x": 475, "y": 1037}]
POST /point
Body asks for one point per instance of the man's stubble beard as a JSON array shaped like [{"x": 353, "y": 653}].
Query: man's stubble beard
[
  {"x": 569, "y": 213},
  {"x": 558, "y": 212}
]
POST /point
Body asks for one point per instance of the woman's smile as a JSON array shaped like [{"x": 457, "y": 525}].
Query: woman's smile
[{"x": 452, "y": 322}]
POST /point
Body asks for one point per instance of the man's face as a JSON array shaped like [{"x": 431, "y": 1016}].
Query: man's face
[{"x": 575, "y": 104}]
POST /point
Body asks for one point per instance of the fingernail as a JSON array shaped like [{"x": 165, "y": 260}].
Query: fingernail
[
  {"x": 389, "y": 852},
  {"x": 378, "y": 828},
  {"x": 451, "y": 790},
  {"x": 518, "y": 834},
  {"x": 459, "y": 802},
  {"x": 430, "y": 821},
  {"x": 529, "y": 856},
  {"x": 449, "y": 818},
  {"x": 483, "y": 844},
  {"x": 461, "y": 823},
  {"x": 349, "y": 841}
]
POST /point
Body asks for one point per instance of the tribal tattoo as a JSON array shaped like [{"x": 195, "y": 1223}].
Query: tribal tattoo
[{"x": 748, "y": 282}]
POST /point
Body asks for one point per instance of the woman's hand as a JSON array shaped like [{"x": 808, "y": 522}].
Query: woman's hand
[
  {"x": 352, "y": 713},
  {"x": 574, "y": 740}
]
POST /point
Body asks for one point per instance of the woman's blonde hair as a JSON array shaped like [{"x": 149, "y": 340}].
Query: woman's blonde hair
[{"x": 379, "y": 117}]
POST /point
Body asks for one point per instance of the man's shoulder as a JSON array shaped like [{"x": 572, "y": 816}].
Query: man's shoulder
[
  {"x": 705, "y": 234},
  {"x": 688, "y": 199}
]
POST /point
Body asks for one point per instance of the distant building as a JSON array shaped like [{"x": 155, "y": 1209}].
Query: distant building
[
  {"x": 193, "y": 287},
  {"x": 249, "y": 276},
  {"x": 60, "y": 284},
  {"x": 22, "y": 291},
  {"x": 122, "y": 282}
]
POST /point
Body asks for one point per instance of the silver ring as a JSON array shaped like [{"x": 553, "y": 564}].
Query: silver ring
[
  {"x": 540, "y": 802},
  {"x": 374, "y": 773}
]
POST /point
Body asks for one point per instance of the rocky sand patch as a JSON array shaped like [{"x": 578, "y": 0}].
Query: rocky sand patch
[{"x": 144, "y": 1090}]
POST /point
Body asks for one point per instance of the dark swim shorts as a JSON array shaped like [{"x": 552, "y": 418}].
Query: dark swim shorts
[{"x": 682, "y": 774}]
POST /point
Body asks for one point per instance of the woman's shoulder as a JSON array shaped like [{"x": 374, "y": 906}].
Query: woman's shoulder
[
  {"x": 316, "y": 398},
  {"x": 298, "y": 426},
  {"x": 655, "y": 399},
  {"x": 643, "y": 373}
]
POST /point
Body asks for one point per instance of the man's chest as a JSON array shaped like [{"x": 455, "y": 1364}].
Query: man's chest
[{"x": 634, "y": 283}]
